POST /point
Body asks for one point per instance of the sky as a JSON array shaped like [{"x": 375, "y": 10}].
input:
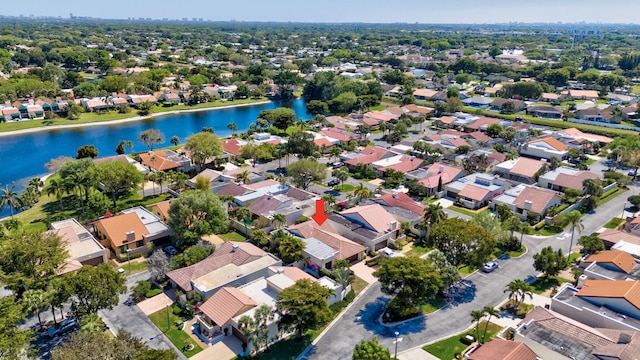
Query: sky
[{"x": 371, "y": 11}]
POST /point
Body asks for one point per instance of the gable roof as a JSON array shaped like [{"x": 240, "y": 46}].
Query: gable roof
[
  {"x": 483, "y": 122},
  {"x": 474, "y": 192},
  {"x": 401, "y": 200},
  {"x": 439, "y": 171},
  {"x": 163, "y": 208},
  {"x": 225, "y": 304},
  {"x": 158, "y": 160},
  {"x": 628, "y": 290},
  {"x": 368, "y": 155},
  {"x": 236, "y": 253},
  {"x": 232, "y": 146},
  {"x": 557, "y": 145},
  {"x": 375, "y": 216},
  {"x": 231, "y": 189},
  {"x": 264, "y": 204},
  {"x": 574, "y": 181},
  {"x": 539, "y": 199},
  {"x": 503, "y": 350},
  {"x": 346, "y": 248},
  {"x": 619, "y": 259}
]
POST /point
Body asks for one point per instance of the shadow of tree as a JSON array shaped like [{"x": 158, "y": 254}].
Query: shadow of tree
[{"x": 462, "y": 292}]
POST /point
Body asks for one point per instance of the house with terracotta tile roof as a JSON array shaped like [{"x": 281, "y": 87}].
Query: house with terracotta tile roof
[
  {"x": 436, "y": 176},
  {"x": 563, "y": 178},
  {"x": 520, "y": 169},
  {"x": 482, "y": 123},
  {"x": 545, "y": 148},
  {"x": 220, "y": 308},
  {"x": 614, "y": 237},
  {"x": 552, "y": 335},
  {"x": 366, "y": 156},
  {"x": 403, "y": 163},
  {"x": 233, "y": 146},
  {"x": 424, "y": 94},
  {"x": 82, "y": 246},
  {"x": 619, "y": 295},
  {"x": 527, "y": 201},
  {"x": 576, "y": 134},
  {"x": 476, "y": 190},
  {"x": 369, "y": 225},
  {"x": 136, "y": 100},
  {"x": 414, "y": 110},
  {"x": 161, "y": 210},
  {"x": 131, "y": 231},
  {"x": 401, "y": 206},
  {"x": 164, "y": 160},
  {"x": 346, "y": 249},
  {"x": 583, "y": 95},
  {"x": 343, "y": 136},
  {"x": 231, "y": 264},
  {"x": 610, "y": 265},
  {"x": 498, "y": 104},
  {"x": 502, "y": 349}
]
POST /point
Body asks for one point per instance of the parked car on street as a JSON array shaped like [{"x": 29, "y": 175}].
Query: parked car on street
[
  {"x": 489, "y": 266},
  {"x": 63, "y": 327},
  {"x": 333, "y": 182}
]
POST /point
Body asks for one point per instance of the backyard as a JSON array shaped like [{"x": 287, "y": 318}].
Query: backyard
[{"x": 175, "y": 334}]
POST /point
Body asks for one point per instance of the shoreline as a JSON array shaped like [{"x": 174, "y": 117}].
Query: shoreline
[{"x": 121, "y": 121}]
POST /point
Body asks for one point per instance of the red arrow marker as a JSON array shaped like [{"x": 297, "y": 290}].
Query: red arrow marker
[{"x": 320, "y": 217}]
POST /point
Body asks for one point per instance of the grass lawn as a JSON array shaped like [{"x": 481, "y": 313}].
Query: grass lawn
[
  {"x": 461, "y": 210},
  {"x": 358, "y": 285},
  {"x": 417, "y": 250},
  {"x": 344, "y": 188},
  {"x": 136, "y": 266},
  {"x": 432, "y": 305},
  {"x": 175, "y": 335},
  {"x": 549, "y": 230},
  {"x": 608, "y": 195},
  {"x": 289, "y": 349},
  {"x": 515, "y": 254},
  {"x": 635, "y": 89},
  {"x": 541, "y": 285},
  {"x": 448, "y": 348},
  {"x": 614, "y": 222},
  {"x": 465, "y": 271},
  {"x": 232, "y": 236}
]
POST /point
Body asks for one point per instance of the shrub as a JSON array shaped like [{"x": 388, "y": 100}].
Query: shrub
[
  {"x": 141, "y": 289},
  {"x": 153, "y": 292},
  {"x": 324, "y": 272},
  {"x": 373, "y": 261},
  {"x": 302, "y": 219}
]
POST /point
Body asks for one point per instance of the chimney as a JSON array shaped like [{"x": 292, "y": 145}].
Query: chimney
[
  {"x": 393, "y": 225},
  {"x": 131, "y": 236},
  {"x": 441, "y": 169},
  {"x": 235, "y": 247},
  {"x": 527, "y": 204},
  {"x": 395, "y": 195},
  {"x": 581, "y": 280}
]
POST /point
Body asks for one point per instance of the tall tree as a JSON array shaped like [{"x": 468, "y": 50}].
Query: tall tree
[
  {"x": 87, "y": 151},
  {"x": 96, "y": 287},
  {"x": 150, "y": 138},
  {"x": 13, "y": 340},
  {"x": 195, "y": 214},
  {"x": 550, "y": 262},
  {"x": 8, "y": 198},
  {"x": 305, "y": 171},
  {"x": 104, "y": 346},
  {"x": 158, "y": 265},
  {"x": 303, "y": 306},
  {"x": 491, "y": 312},
  {"x": 462, "y": 242},
  {"x": 574, "y": 219},
  {"x": 244, "y": 215},
  {"x": 203, "y": 146},
  {"x": 117, "y": 177},
  {"x": 34, "y": 300},
  {"x": 476, "y": 316},
  {"x": 233, "y": 127},
  {"x": 56, "y": 187},
  {"x": 290, "y": 249}
]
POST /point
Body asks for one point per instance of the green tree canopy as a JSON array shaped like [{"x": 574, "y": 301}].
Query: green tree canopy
[
  {"x": 96, "y": 287},
  {"x": 118, "y": 177},
  {"x": 550, "y": 262},
  {"x": 203, "y": 146},
  {"x": 303, "y": 306},
  {"x": 195, "y": 214},
  {"x": 462, "y": 242},
  {"x": 104, "y": 346},
  {"x": 281, "y": 118},
  {"x": 306, "y": 171},
  {"x": 151, "y": 137},
  {"x": 370, "y": 350}
]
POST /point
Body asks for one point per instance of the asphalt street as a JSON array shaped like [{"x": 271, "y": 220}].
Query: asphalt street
[{"x": 361, "y": 321}]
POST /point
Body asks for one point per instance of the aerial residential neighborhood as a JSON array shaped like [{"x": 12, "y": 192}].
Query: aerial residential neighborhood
[{"x": 182, "y": 188}]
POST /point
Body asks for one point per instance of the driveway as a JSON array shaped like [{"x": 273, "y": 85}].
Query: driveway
[
  {"x": 364, "y": 272},
  {"x": 127, "y": 316},
  {"x": 361, "y": 321},
  {"x": 155, "y": 304}
]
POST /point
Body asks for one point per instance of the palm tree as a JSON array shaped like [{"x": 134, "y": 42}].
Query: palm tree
[
  {"x": 280, "y": 220},
  {"x": 8, "y": 198},
  {"x": 233, "y": 127},
  {"x": 247, "y": 327},
  {"x": 343, "y": 276},
  {"x": 335, "y": 152},
  {"x": 34, "y": 300},
  {"x": 56, "y": 187},
  {"x": 361, "y": 192},
  {"x": 243, "y": 176},
  {"x": 341, "y": 174},
  {"x": 434, "y": 213},
  {"x": 476, "y": 316},
  {"x": 36, "y": 183},
  {"x": 160, "y": 178},
  {"x": 518, "y": 291},
  {"x": 92, "y": 324},
  {"x": 525, "y": 227},
  {"x": 574, "y": 219},
  {"x": 512, "y": 224},
  {"x": 330, "y": 200},
  {"x": 175, "y": 140},
  {"x": 244, "y": 215},
  {"x": 491, "y": 312}
]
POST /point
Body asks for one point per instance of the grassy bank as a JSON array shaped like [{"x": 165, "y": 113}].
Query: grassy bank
[{"x": 87, "y": 118}]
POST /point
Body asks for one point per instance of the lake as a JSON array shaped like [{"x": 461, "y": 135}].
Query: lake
[{"x": 24, "y": 155}]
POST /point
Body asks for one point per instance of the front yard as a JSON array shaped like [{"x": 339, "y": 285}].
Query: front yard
[
  {"x": 448, "y": 348},
  {"x": 175, "y": 334},
  {"x": 541, "y": 285}
]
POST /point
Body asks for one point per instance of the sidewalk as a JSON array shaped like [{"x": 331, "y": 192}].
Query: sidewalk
[{"x": 416, "y": 354}]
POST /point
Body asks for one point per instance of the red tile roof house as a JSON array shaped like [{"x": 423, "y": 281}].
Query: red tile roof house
[
  {"x": 476, "y": 190},
  {"x": 436, "y": 175},
  {"x": 555, "y": 336},
  {"x": 136, "y": 100},
  {"x": 232, "y": 263},
  {"x": 520, "y": 169},
  {"x": 528, "y": 202},
  {"x": 403, "y": 163},
  {"x": 545, "y": 148},
  {"x": 341, "y": 135},
  {"x": 365, "y": 156},
  {"x": 502, "y": 349},
  {"x": 347, "y": 249},
  {"x": 130, "y": 232},
  {"x": 83, "y": 247},
  {"x": 402, "y": 207},
  {"x": 563, "y": 178},
  {"x": 163, "y": 160},
  {"x": 370, "y": 225}
]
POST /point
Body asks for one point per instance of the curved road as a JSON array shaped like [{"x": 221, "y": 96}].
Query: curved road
[{"x": 360, "y": 321}]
